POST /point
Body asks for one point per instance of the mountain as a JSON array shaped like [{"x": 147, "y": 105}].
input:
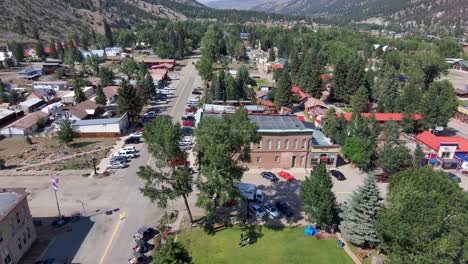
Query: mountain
[
  {"x": 403, "y": 12},
  {"x": 234, "y": 4}
]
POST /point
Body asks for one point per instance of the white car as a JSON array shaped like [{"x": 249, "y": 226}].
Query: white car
[
  {"x": 173, "y": 77},
  {"x": 117, "y": 165},
  {"x": 129, "y": 148},
  {"x": 136, "y": 134},
  {"x": 187, "y": 141},
  {"x": 170, "y": 87},
  {"x": 124, "y": 153},
  {"x": 271, "y": 210},
  {"x": 160, "y": 102},
  {"x": 258, "y": 210}
]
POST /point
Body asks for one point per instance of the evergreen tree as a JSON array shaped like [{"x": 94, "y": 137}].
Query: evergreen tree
[
  {"x": 205, "y": 68},
  {"x": 295, "y": 65},
  {"x": 108, "y": 34},
  {"x": 360, "y": 101},
  {"x": 172, "y": 253},
  {"x": 388, "y": 89},
  {"x": 100, "y": 96},
  {"x": 339, "y": 84},
  {"x": 3, "y": 94},
  {"x": 283, "y": 95},
  {"x": 128, "y": 67},
  {"x": 16, "y": 50},
  {"x": 232, "y": 88},
  {"x": 107, "y": 76},
  {"x": 243, "y": 80},
  {"x": 148, "y": 86},
  {"x": 359, "y": 215},
  {"x": 418, "y": 157},
  {"x": 271, "y": 55},
  {"x": 39, "y": 48},
  {"x": 391, "y": 131},
  {"x": 128, "y": 101},
  {"x": 219, "y": 87},
  {"x": 79, "y": 94},
  {"x": 354, "y": 77},
  {"x": 65, "y": 134},
  {"x": 439, "y": 104},
  {"x": 394, "y": 158},
  {"x": 318, "y": 198}
]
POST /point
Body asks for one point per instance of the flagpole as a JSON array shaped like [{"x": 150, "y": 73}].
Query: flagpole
[{"x": 58, "y": 207}]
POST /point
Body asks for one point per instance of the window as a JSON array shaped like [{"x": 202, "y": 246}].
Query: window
[
  {"x": 277, "y": 159},
  {"x": 278, "y": 144},
  {"x": 268, "y": 143},
  {"x": 445, "y": 155},
  {"x": 259, "y": 146},
  {"x": 304, "y": 143},
  {"x": 286, "y": 144},
  {"x": 295, "y": 144},
  {"x": 302, "y": 160},
  {"x": 259, "y": 159}
]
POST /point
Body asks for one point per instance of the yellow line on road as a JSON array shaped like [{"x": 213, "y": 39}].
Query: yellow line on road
[{"x": 110, "y": 242}]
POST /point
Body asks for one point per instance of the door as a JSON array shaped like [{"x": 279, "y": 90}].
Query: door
[{"x": 293, "y": 162}]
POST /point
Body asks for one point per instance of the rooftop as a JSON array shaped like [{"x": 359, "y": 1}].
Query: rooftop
[
  {"x": 83, "y": 109},
  {"x": 29, "y": 120},
  {"x": 31, "y": 102},
  {"x": 381, "y": 116},
  {"x": 434, "y": 141},
  {"x": 94, "y": 122},
  {"x": 219, "y": 108},
  {"x": 280, "y": 123},
  {"x": 5, "y": 112},
  {"x": 110, "y": 91},
  {"x": 9, "y": 199}
]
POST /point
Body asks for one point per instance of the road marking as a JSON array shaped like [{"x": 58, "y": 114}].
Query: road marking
[
  {"x": 343, "y": 192},
  {"x": 110, "y": 242},
  {"x": 180, "y": 95}
]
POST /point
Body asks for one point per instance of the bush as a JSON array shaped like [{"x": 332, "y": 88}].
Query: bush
[{"x": 28, "y": 140}]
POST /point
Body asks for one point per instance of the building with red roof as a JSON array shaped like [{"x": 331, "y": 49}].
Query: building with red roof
[
  {"x": 381, "y": 117},
  {"x": 448, "y": 152}
]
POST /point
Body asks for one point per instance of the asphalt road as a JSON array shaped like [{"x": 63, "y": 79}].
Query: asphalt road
[{"x": 110, "y": 239}]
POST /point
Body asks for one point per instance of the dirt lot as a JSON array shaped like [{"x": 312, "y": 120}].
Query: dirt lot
[{"x": 17, "y": 152}]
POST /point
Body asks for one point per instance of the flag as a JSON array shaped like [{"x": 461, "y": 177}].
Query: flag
[{"x": 54, "y": 183}]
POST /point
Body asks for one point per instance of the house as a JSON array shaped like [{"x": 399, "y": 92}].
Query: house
[
  {"x": 50, "y": 66},
  {"x": 381, "y": 117},
  {"x": 25, "y": 125},
  {"x": 447, "y": 152},
  {"x": 5, "y": 54},
  {"x": 32, "y": 105},
  {"x": 461, "y": 65},
  {"x": 152, "y": 61},
  {"x": 244, "y": 35},
  {"x": 113, "y": 51},
  {"x": 323, "y": 151},
  {"x": 7, "y": 116},
  {"x": 103, "y": 127},
  {"x": 100, "y": 54},
  {"x": 30, "y": 73},
  {"x": 167, "y": 66},
  {"x": 111, "y": 93},
  {"x": 219, "y": 109},
  {"x": 54, "y": 85},
  {"x": 159, "y": 75},
  {"x": 254, "y": 109},
  {"x": 261, "y": 95},
  {"x": 45, "y": 94},
  {"x": 54, "y": 109},
  {"x": 17, "y": 230},
  {"x": 84, "y": 110},
  {"x": 69, "y": 98}
]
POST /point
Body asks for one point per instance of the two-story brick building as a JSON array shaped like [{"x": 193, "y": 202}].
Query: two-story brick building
[{"x": 17, "y": 232}]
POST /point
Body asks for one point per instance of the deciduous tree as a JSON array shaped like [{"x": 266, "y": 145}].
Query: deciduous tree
[
  {"x": 172, "y": 253},
  {"x": 65, "y": 134}
]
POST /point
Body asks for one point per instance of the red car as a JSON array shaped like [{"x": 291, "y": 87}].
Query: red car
[
  {"x": 286, "y": 176},
  {"x": 188, "y": 123},
  {"x": 177, "y": 162}
]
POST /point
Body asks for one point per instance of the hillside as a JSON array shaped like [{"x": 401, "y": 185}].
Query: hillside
[
  {"x": 234, "y": 4},
  {"x": 403, "y": 12}
]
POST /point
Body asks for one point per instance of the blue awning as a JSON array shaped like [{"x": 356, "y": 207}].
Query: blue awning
[{"x": 462, "y": 156}]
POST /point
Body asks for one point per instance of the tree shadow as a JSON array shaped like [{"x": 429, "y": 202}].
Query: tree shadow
[
  {"x": 253, "y": 232},
  {"x": 82, "y": 144}
]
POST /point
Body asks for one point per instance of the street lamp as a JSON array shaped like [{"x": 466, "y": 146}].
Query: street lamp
[{"x": 93, "y": 159}]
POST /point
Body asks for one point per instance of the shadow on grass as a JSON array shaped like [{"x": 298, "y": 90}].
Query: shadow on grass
[
  {"x": 253, "y": 232},
  {"x": 82, "y": 144}
]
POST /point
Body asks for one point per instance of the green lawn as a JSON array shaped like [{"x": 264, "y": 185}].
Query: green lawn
[
  {"x": 287, "y": 245},
  {"x": 263, "y": 83}
]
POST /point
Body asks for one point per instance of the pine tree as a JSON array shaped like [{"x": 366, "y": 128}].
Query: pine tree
[
  {"x": 108, "y": 33},
  {"x": 232, "y": 88},
  {"x": 388, "y": 89},
  {"x": 339, "y": 83},
  {"x": 243, "y": 80},
  {"x": 128, "y": 101},
  {"x": 283, "y": 95},
  {"x": 100, "y": 96},
  {"x": 295, "y": 65},
  {"x": 79, "y": 94},
  {"x": 271, "y": 55},
  {"x": 360, "y": 101},
  {"x": 220, "y": 87},
  {"x": 318, "y": 198},
  {"x": 359, "y": 215},
  {"x": 65, "y": 134}
]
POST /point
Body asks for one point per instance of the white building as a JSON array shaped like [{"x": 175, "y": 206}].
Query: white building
[
  {"x": 69, "y": 98},
  {"x": 105, "y": 127},
  {"x": 53, "y": 109},
  {"x": 25, "y": 125},
  {"x": 113, "y": 51},
  {"x": 53, "y": 85}
]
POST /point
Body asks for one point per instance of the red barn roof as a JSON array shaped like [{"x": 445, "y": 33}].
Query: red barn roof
[{"x": 434, "y": 141}]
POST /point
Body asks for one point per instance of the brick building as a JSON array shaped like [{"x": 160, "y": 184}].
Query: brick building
[{"x": 17, "y": 232}]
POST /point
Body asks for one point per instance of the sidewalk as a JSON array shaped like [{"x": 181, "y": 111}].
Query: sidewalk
[
  {"x": 102, "y": 166},
  {"x": 347, "y": 249}
]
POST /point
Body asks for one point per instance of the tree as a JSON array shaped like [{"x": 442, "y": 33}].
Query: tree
[
  {"x": 148, "y": 86},
  {"x": 100, "y": 96},
  {"x": 439, "y": 104},
  {"x": 243, "y": 80},
  {"x": 418, "y": 157},
  {"x": 359, "y": 215},
  {"x": 107, "y": 76},
  {"x": 163, "y": 137},
  {"x": 39, "y": 48},
  {"x": 221, "y": 146},
  {"x": 16, "y": 50},
  {"x": 387, "y": 89},
  {"x": 79, "y": 94},
  {"x": 108, "y": 34},
  {"x": 318, "y": 198},
  {"x": 232, "y": 88},
  {"x": 394, "y": 158},
  {"x": 283, "y": 95},
  {"x": 172, "y": 253},
  {"x": 205, "y": 69},
  {"x": 93, "y": 62},
  {"x": 425, "y": 219},
  {"x": 3, "y": 93},
  {"x": 449, "y": 48},
  {"x": 391, "y": 131},
  {"x": 128, "y": 101},
  {"x": 219, "y": 87},
  {"x": 360, "y": 101},
  {"x": 125, "y": 38},
  {"x": 349, "y": 76},
  {"x": 128, "y": 67},
  {"x": 53, "y": 50},
  {"x": 425, "y": 67},
  {"x": 65, "y": 134},
  {"x": 271, "y": 55},
  {"x": 359, "y": 150}
]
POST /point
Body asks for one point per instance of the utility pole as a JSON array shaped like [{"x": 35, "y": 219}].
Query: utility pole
[
  {"x": 94, "y": 165},
  {"x": 55, "y": 188}
]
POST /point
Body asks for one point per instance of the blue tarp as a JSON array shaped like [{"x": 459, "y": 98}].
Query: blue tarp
[
  {"x": 462, "y": 156},
  {"x": 310, "y": 231}
]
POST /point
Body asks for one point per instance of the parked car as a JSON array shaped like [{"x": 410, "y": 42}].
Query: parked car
[
  {"x": 150, "y": 114},
  {"x": 188, "y": 117},
  {"x": 184, "y": 146},
  {"x": 119, "y": 159},
  {"x": 338, "y": 175},
  {"x": 145, "y": 233},
  {"x": 286, "y": 176},
  {"x": 137, "y": 134},
  {"x": 117, "y": 165},
  {"x": 187, "y": 141},
  {"x": 186, "y": 131},
  {"x": 177, "y": 162},
  {"x": 269, "y": 176},
  {"x": 271, "y": 210},
  {"x": 124, "y": 153},
  {"x": 257, "y": 210},
  {"x": 132, "y": 140},
  {"x": 188, "y": 123},
  {"x": 196, "y": 92},
  {"x": 454, "y": 177},
  {"x": 129, "y": 148},
  {"x": 170, "y": 87},
  {"x": 382, "y": 177},
  {"x": 158, "y": 102},
  {"x": 142, "y": 246},
  {"x": 284, "y": 208},
  {"x": 191, "y": 109},
  {"x": 139, "y": 258}
]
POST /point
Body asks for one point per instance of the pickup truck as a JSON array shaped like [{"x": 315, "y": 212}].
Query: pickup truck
[{"x": 250, "y": 192}]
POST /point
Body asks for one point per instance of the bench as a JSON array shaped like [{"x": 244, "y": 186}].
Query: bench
[{"x": 219, "y": 226}]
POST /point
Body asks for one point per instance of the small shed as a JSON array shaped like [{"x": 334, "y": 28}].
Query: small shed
[{"x": 32, "y": 105}]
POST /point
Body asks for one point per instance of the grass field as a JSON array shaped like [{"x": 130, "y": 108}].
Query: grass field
[
  {"x": 286, "y": 245},
  {"x": 263, "y": 83}
]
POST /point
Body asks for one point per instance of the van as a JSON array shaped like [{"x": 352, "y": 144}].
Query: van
[{"x": 250, "y": 192}]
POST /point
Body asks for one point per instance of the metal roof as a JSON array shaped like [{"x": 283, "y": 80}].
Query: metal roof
[
  {"x": 94, "y": 122},
  {"x": 280, "y": 123}
]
